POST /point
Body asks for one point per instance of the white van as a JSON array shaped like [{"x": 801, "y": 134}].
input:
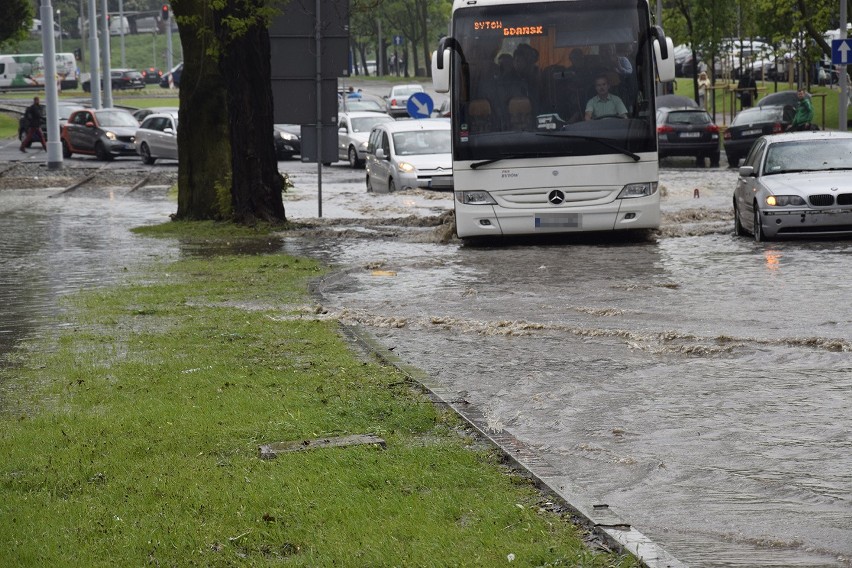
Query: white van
[
  {"x": 26, "y": 71},
  {"x": 119, "y": 26}
]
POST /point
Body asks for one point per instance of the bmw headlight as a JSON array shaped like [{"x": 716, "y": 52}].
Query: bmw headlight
[
  {"x": 477, "y": 197},
  {"x": 406, "y": 168},
  {"x": 110, "y": 135},
  {"x": 638, "y": 190},
  {"x": 784, "y": 201}
]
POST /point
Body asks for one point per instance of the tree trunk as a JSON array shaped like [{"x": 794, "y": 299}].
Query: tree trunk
[
  {"x": 203, "y": 175},
  {"x": 256, "y": 184},
  {"x": 423, "y": 8}
]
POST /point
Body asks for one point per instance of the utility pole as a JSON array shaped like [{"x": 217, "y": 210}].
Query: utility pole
[
  {"x": 94, "y": 60},
  {"x": 107, "y": 68},
  {"x": 843, "y": 108},
  {"x": 48, "y": 46}
]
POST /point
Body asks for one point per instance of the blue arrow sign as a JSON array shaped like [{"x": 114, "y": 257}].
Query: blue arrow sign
[
  {"x": 420, "y": 105},
  {"x": 397, "y": 40},
  {"x": 840, "y": 49}
]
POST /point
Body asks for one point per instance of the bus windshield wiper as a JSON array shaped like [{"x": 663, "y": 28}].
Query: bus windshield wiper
[
  {"x": 512, "y": 156},
  {"x": 600, "y": 141}
]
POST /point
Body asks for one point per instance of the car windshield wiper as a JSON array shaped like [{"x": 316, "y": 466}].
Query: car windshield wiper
[
  {"x": 600, "y": 141},
  {"x": 475, "y": 165}
]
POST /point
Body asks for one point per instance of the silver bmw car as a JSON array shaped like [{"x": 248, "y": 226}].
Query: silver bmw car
[{"x": 796, "y": 184}]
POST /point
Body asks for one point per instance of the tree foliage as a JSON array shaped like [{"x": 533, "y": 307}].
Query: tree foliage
[{"x": 15, "y": 18}]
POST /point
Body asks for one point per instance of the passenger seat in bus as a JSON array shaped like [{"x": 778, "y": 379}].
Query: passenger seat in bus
[
  {"x": 520, "y": 113},
  {"x": 479, "y": 116}
]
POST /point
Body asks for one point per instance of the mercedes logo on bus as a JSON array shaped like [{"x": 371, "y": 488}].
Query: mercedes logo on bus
[{"x": 556, "y": 197}]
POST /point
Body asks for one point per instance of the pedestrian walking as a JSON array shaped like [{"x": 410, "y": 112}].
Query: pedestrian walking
[{"x": 32, "y": 118}]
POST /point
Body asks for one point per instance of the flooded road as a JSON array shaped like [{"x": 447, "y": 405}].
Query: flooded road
[{"x": 698, "y": 383}]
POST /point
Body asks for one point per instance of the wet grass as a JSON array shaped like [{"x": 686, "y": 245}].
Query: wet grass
[
  {"x": 130, "y": 437},
  {"x": 8, "y": 126}
]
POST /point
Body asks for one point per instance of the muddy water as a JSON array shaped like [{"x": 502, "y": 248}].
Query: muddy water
[
  {"x": 55, "y": 244},
  {"x": 698, "y": 383}
]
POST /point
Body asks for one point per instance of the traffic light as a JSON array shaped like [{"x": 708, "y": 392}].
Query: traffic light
[{"x": 165, "y": 13}]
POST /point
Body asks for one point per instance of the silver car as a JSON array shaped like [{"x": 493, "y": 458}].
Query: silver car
[
  {"x": 354, "y": 131},
  {"x": 397, "y": 99},
  {"x": 410, "y": 153},
  {"x": 157, "y": 137},
  {"x": 796, "y": 184}
]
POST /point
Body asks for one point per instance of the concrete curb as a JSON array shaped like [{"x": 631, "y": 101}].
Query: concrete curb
[{"x": 596, "y": 516}]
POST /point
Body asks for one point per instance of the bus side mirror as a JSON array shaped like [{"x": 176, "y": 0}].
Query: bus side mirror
[
  {"x": 664, "y": 56},
  {"x": 441, "y": 70}
]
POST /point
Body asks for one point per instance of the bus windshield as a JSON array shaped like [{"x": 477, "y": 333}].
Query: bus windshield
[{"x": 552, "y": 79}]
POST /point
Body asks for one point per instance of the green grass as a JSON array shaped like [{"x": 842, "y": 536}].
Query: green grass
[
  {"x": 130, "y": 437},
  {"x": 8, "y": 126}
]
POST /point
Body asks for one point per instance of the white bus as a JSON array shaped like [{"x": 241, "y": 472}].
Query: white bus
[
  {"x": 529, "y": 156},
  {"x": 26, "y": 71}
]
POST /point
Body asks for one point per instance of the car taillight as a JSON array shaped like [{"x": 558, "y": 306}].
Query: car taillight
[
  {"x": 663, "y": 129},
  {"x": 712, "y": 128},
  {"x": 776, "y": 128}
]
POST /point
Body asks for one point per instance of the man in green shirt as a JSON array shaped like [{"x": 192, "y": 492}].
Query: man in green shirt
[
  {"x": 604, "y": 104},
  {"x": 804, "y": 113}
]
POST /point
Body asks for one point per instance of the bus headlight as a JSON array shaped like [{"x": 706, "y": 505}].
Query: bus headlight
[
  {"x": 638, "y": 190},
  {"x": 475, "y": 198}
]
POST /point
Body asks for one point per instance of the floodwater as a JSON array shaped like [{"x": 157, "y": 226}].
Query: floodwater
[
  {"x": 697, "y": 382},
  {"x": 54, "y": 244}
]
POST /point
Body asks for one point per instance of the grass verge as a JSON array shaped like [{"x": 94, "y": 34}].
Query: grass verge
[{"x": 130, "y": 437}]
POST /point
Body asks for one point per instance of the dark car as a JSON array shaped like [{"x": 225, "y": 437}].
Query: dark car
[
  {"x": 749, "y": 125},
  {"x": 152, "y": 75},
  {"x": 288, "y": 140},
  {"x": 105, "y": 133},
  {"x": 120, "y": 79},
  {"x": 173, "y": 76},
  {"x": 688, "y": 132}
]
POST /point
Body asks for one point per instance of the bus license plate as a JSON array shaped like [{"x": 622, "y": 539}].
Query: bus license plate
[{"x": 557, "y": 221}]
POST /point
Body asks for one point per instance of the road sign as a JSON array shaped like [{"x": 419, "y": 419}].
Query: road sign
[
  {"x": 420, "y": 105},
  {"x": 840, "y": 49},
  {"x": 397, "y": 40}
]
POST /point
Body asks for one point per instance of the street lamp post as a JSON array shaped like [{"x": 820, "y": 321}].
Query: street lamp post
[{"x": 59, "y": 21}]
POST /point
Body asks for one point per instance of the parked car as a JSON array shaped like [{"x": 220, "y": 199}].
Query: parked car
[
  {"x": 120, "y": 79},
  {"x": 688, "y": 131},
  {"x": 143, "y": 113},
  {"x": 173, "y": 75},
  {"x": 354, "y": 132},
  {"x": 157, "y": 137},
  {"x": 152, "y": 75},
  {"x": 749, "y": 125},
  {"x": 364, "y": 104},
  {"x": 105, "y": 133},
  {"x": 408, "y": 154},
  {"x": 288, "y": 140},
  {"x": 397, "y": 99},
  {"x": 795, "y": 184}
]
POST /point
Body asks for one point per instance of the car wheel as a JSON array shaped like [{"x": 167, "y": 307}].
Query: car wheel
[
  {"x": 66, "y": 150},
  {"x": 714, "y": 160},
  {"x": 353, "y": 158},
  {"x": 391, "y": 186},
  {"x": 759, "y": 237},
  {"x": 147, "y": 159},
  {"x": 738, "y": 226},
  {"x": 101, "y": 152},
  {"x": 733, "y": 160}
]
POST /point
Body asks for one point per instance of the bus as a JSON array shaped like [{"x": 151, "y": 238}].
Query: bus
[
  {"x": 26, "y": 71},
  {"x": 553, "y": 115}
]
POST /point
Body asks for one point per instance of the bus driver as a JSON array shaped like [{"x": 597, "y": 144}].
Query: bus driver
[{"x": 604, "y": 104}]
